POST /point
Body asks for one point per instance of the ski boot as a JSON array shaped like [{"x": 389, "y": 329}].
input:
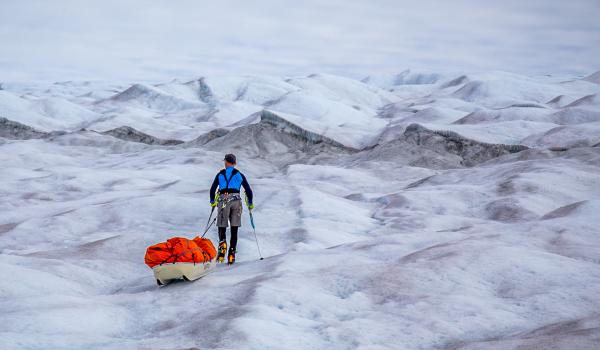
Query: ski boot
[
  {"x": 231, "y": 257},
  {"x": 222, "y": 250}
]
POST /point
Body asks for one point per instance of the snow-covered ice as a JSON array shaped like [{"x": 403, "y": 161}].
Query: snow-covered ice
[{"x": 378, "y": 233}]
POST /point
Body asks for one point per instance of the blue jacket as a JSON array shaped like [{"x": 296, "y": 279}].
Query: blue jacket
[{"x": 230, "y": 180}]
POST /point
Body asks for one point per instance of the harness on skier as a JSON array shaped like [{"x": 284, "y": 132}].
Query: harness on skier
[
  {"x": 224, "y": 196},
  {"x": 226, "y": 188}
]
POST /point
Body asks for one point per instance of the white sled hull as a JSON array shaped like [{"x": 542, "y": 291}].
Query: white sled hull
[{"x": 166, "y": 273}]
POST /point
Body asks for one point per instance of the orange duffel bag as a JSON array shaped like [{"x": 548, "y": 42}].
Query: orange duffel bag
[
  {"x": 207, "y": 246},
  {"x": 179, "y": 249}
]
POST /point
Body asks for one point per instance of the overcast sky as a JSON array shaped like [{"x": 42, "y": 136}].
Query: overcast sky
[{"x": 143, "y": 40}]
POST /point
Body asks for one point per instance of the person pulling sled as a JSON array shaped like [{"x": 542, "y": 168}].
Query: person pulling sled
[{"x": 229, "y": 205}]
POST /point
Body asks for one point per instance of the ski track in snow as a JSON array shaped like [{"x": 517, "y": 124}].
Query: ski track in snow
[{"x": 362, "y": 251}]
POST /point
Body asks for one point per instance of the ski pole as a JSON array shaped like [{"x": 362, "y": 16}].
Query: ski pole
[
  {"x": 209, "y": 226},
  {"x": 208, "y": 221},
  {"x": 254, "y": 229}
]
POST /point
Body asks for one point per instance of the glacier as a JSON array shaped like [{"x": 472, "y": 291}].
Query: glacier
[{"x": 409, "y": 211}]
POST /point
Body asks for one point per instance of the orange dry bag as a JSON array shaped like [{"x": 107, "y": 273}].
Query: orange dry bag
[{"x": 179, "y": 249}]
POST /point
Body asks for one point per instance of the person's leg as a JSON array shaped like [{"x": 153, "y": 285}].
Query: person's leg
[
  {"x": 222, "y": 223},
  {"x": 222, "y": 245},
  {"x": 223, "y": 214},
  {"x": 232, "y": 245},
  {"x": 235, "y": 213},
  {"x": 234, "y": 237},
  {"x": 222, "y": 235},
  {"x": 235, "y": 218}
]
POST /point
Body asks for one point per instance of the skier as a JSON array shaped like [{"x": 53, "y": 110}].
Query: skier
[{"x": 229, "y": 201}]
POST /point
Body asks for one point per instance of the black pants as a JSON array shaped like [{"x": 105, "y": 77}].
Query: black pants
[{"x": 223, "y": 236}]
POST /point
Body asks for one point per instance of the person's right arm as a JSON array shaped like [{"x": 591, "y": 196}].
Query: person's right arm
[{"x": 213, "y": 188}]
